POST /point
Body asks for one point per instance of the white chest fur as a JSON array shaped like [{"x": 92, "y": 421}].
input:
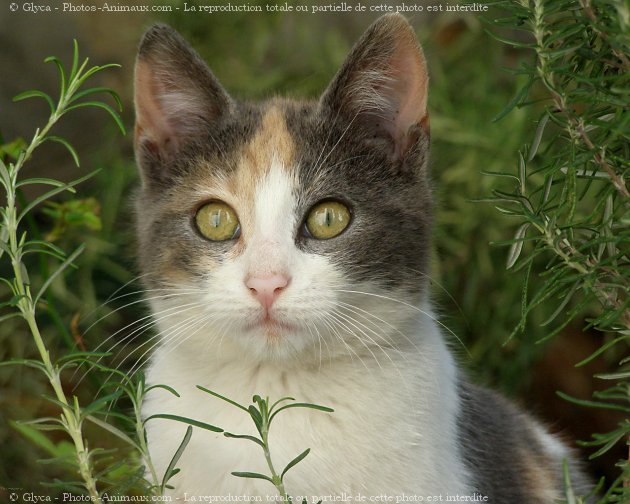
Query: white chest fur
[{"x": 393, "y": 431}]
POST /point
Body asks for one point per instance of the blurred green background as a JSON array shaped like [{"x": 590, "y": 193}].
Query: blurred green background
[{"x": 257, "y": 55}]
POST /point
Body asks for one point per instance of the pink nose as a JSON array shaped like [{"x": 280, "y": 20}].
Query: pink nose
[{"x": 267, "y": 289}]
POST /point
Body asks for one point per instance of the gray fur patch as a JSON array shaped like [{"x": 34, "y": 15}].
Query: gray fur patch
[{"x": 506, "y": 458}]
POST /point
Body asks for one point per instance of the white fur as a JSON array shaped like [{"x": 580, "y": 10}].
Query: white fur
[
  {"x": 386, "y": 372},
  {"x": 553, "y": 446}
]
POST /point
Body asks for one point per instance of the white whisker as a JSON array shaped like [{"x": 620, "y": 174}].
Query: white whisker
[{"x": 408, "y": 305}]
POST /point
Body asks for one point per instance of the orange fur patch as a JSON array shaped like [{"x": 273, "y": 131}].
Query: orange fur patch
[{"x": 271, "y": 145}]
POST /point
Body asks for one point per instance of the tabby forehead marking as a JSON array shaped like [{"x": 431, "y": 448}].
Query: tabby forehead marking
[
  {"x": 272, "y": 148},
  {"x": 272, "y": 142}
]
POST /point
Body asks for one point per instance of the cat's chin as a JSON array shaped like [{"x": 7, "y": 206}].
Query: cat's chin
[
  {"x": 271, "y": 328},
  {"x": 272, "y": 339}
]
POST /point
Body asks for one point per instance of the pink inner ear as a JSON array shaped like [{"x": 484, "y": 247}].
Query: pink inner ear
[
  {"x": 152, "y": 117},
  {"x": 412, "y": 82},
  {"x": 385, "y": 85},
  {"x": 163, "y": 112},
  {"x": 412, "y": 108},
  {"x": 404, "y": 93}
]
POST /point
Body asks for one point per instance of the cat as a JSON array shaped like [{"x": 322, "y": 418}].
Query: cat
[{"x": 284, "y": 247}]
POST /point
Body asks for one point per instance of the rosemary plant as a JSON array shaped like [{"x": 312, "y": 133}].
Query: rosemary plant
[
  {"x": 25, "y": 301},
  {"x": 569, "y": 192},
  {"x": 262, "y": 413},
  {"x": 15, "y": 245}
]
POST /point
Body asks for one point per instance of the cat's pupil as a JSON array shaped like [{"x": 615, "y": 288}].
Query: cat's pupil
[
  {"x": 328, "y": 217},
  {"x": 216, "y": 219}
]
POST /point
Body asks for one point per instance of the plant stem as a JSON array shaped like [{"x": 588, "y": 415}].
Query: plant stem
[
  {"x": 71, "y": 414},
  {"x": 142, "y": 440},
  {"x": 277, "y": 481}
]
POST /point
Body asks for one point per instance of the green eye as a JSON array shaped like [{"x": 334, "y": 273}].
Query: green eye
[
  {"x": 217, "y": 221},
  {"x": 327, "y": 219}
]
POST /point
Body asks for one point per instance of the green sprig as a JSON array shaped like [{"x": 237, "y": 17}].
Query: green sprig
[{"x": 15, "y": 245}]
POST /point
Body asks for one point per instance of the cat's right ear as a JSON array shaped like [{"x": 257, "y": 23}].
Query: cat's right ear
[
  {"x": 382, "y": 88},
  {"x": 177, "y": 99}
]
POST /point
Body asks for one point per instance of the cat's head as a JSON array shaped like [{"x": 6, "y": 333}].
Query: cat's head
[{"x": 285, "y": 227}]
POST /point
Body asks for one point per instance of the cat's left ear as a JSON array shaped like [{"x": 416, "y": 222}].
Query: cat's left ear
[
  {"x": 178, "y": 100},
  {"x": 381, "y": 90}
]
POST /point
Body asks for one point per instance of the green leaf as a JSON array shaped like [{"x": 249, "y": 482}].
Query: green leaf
[
  {"x": 25, "y": 362},
  {"x": 63, "y": 406},
  {"x": 621, "y": 375},
  {"x": 593, "y": 404},
  {"x": 79, "y": 77},
  {"x": 223, "y": 398},
  {"x": 113, "y": 430},
  {"x": 542, "y": 123},
  {"x": 513, "y": 43},
  {"x": 171, "y": 470},
  {"x": 58, "y": 271},
  {"x": 252, "y": 476},
  {"x": 295, "y": 461},
  {"x": 82, "y": 356},
  {"x": 262, "y": 406},
  {"x": 14, "y": 301},
  {"x": 302, "y": 405},
  {"x": 44, "y": 424},
  {"x": 568, "y": 318},
  {"x": 7, "y": 317},
  {"x": 243, "y": 436},
  {"x": 100, "y": 403},
  {"x": 34, "y": 93},
  {"x": 67, "y": 145},
  {"x": 83, "y": 78},
  {"x": 522, "y": 173},
  {"x": 103, "y": 106},
  {"x": 500, "y": 174},
  {"x": 565, "y": 301},
  {"x": 91, "y": 91},
  {"x": 282, "y": 399},
  {"x": 4, "y": 248},
  {"x": 185, "y": 420},
  {"x": 37, "y": 438},
  {"x": 65, "y": 187},
  {"x": 165, "y": 387},
  {"x": 256, "y": 417},
  {"x": 558, "y": 53},
  {"x": 612, "y": 441},
  {"x": 601, "y": 350},
  {"x": 62, "y": 76},
  {"x": 121, "y": 374},
  {"x": 75, "y": 59},
  {"x": 515, "y": 101},
  {"x": 39, "y": 180},
  {"x": 45, "y": 244},
  {"x": 517, "y": 246},
  {"x": 545, "y": 195},
  {"x": 44, "y": 252},
  {"x": 5, "y": 177}
]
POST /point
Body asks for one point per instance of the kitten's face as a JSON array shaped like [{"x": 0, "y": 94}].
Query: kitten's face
[{"x": 285, "y": 228}]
